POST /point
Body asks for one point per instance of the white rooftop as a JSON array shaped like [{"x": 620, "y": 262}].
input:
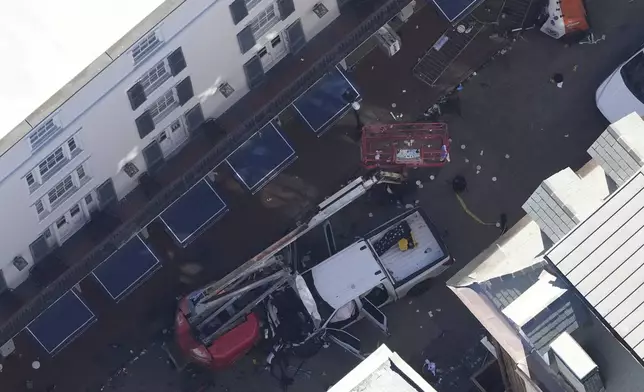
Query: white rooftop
[{"x": 46, "y": 43}]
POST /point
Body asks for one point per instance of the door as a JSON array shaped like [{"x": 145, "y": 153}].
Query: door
[
  {"x": 272, "y": 52},
  {"x": 172, "y": 137},
  {"x": 373, "y": 314},
  {"x": 345, "y": 340},
  {"x": 90, "y": 203},
  {"x": 70, "y": 222}
]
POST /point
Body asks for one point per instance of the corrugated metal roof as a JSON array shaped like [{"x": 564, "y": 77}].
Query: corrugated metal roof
[{"x": 603, "y": 258}]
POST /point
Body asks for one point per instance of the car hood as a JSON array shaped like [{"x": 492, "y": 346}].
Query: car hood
[{"x": 614, "y": 99}]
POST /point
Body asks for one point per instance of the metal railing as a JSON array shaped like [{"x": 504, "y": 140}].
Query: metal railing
[{"x": 218, "y": 153}]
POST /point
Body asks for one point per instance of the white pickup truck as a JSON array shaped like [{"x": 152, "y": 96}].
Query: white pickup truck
[{"x": 378, "y": 269}]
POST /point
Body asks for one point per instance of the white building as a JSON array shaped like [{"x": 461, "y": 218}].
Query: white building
[{"x": 97, "y": 93}]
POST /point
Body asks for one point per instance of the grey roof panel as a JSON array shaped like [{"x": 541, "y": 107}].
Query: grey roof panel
[{"x": 603, "y": 257}]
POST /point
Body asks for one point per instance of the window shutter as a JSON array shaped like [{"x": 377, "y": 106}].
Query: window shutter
[
  {"x": 194, "y": 117},
  {"x": 106, "y": 193},
  {"x": 286, "y": 8},
  {"x": 136, "y": 95},
  {"x": 144, "y": 124},
  {"x": 184, "y": 91},
  {"x": 246, "y": 39},
  {"x": 254, "y": 72},
  {"x": 176, "y": 61},
  {"x": 153, "y": 157},
  {"x": 296, "y": 37},
  {"x": 238, "y": 10}
]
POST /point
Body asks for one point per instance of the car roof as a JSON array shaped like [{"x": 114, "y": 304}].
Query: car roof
[{"x": 347, "y": 274}]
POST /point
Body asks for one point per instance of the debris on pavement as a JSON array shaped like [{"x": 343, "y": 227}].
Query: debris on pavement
[
  {"x": 481, "y": 153},
  {"x": 494, "y": 179},
  {"x": 462, "y": 146},
  {"x": 478, "y": 167},
  {"x": 467, "y": 160},
  {"x": 557, "y": 79},
  {"x": 430, "y": 313},
  {"x": 566, "y": 135},
  {"x": 393, "y": 105},
  {"x": 432, "y": 177},
  {"x": 430, "y": 366},
  {"x": 371, "y": 215},
  {"x": 507, "y": 156}
]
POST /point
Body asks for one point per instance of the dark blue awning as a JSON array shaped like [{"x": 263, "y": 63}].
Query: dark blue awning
[
  {"x": 262, "y": 157},
  {"x": 124, "y": 269},
  {"x": 61, "y": 322},
  {"x": 193, "y": 212},
  {"x": 453, "y": 9},
  {"x": 326, "y": 101}
]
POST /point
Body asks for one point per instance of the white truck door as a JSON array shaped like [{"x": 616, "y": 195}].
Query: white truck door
[
  {"x": 345, "y": 340},
  {"x": 373, "y": 314}
]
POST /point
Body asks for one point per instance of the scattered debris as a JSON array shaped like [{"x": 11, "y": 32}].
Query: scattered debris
[
  {"x": 430, "y": 313},
  {"x": 574, "y": 68},
  {"x": 420, "y": 186},
  {"x": 372, "y": 67},
  {"x": 430, "y": 366},
  {"x": 409, "y": 207},
  {"x": 498, "y": 224},
  {"x": 418, "y": 182},
  {"x": 432, "y": 177},
  {"x": 591, "y": 40},
  {"x": 393, "y": 115},
  {"x": 416, "y": 201},
  {"x": 393, "y": 105},
  {"x": 301, "y": 58},
  {"x": 478, "y": 167},
  {"x": 459, "y": 87},
  {"x": 410, "y": 302},
  {"x": 438, "y": 310},
  {"x": 507, "y": 156},
  {"x": 566, "y": 135},
  {"x": 421, "y": 327},
  {"x": 478, "y": 171},
  {"x": 481, "y": 153},
  {"x": 494, "y": 179},
  {"x": 467, "y": 160},
  {"x": 35, "y": 365},
  {"x": 462, "y": 146},
  {"x": 417, "y": 310},
  {"x": 557, "y": 79},
  {"x": 474, "y": 73},
  {"x": 404, "y": 91},
  {"x": 371, "y": 215}
]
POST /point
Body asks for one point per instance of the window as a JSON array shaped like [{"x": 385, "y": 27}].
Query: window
[
  {"x": 226, "y": 89},
  {"x": 89, "y": 199},
  {"x": 39, "y": 207},
  {"x": 250, "y": 4},
  {"x": 51, "y": 161},
  {"x": 81, "y": 172},
  {"x": 264, "y": 21},
  {"x": 74, "y": 211},
  {"x": 145, "y": 46},
  {"x": 43, "y": 133},
  {"x": 71, "y": 143},
  {"x": 20, "y": 263},
  {"x": 46, "y": 234},
  {"x": 130, "y": 169},
  {"x": 154, "y": 77},
  {"x": 163, "y": 106},
  {"x": 62, "y": 221},
  {"x": 30, "y": 179},
  {"x": 60, "y": 189}
]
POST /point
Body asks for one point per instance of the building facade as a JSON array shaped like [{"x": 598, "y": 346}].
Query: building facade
[{"x": 132, "y": 108}]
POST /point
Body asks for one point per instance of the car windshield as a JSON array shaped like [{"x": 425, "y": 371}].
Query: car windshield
[{"x": 633, "y": 75}]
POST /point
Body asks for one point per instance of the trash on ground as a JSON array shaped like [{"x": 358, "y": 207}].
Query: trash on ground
[
  {"x": 371, "y": 215},
  {"x": 430, "y": 366},
  {"x": 481, "y": 152},
  {"x": 393, "y": 105},
  {"x": 494, "y": 179},
  {"x": 507, "y": 156},
  {"x": 430, "y": 313},
  {"x": 478, "y": 167},
  {"x": 467, "y": 160},
  {"x": 566, "y": 135},
  {"x": 462, "y": 146},
  {"x": 432, "y": 177}
]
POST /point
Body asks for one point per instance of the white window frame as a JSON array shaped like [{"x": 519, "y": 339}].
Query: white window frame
[
  {"x": 51, "y": 161},
  {"x": 42, "y": 207},
  {"x": 250, "y": 4},
  {"x": 163, "y": 106},
  {"x": 33, "y": 180},
  {"x": 264, "y": 20},
  {"x": 44, "y": 132},
  {"x": 145, "y": 46},
  {"x": 155, "y": 77},
  {"x": 69, "y": 142},
  {"x": 61, "y": 189}
]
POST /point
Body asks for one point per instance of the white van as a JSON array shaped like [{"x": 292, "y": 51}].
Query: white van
[{"x": 622, "y": 92}]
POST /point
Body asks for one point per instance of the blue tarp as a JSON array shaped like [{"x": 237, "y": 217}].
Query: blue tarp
[
  {"x": 61, "y": 323},
  {"x": 263, "y": 156},
  {"x": 453, "y": 9},
  {"x": 190, "y": 213},
  {"x": 126, "y": 267},
  {"x": 326, "y": 101}
]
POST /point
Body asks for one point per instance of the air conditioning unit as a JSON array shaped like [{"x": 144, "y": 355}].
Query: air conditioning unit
[
  {"x": 407, "y": 11},
  {"x": 388, "y": 40},
  {"x": 575, "y": 365}
]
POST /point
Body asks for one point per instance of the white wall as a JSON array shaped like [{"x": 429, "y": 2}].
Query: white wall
[{"x": 101, "y": 117}]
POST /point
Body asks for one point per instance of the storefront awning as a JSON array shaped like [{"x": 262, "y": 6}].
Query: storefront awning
[
  {"x": 124, "y": 269},
  {"x": 326, "y": 101},
  {"x": 262, "y": 157},
  {"x": 190, "y": 214},
  {"x": 61, "y": 322}
]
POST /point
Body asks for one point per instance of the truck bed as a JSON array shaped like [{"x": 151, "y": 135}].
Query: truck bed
[{"x": 402, "y": 265}]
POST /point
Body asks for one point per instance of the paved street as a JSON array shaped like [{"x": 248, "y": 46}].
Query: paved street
[{"x": 512, "y": 122}]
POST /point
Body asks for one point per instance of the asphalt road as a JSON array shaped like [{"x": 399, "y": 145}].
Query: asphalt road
[{"x": 512, "y": 122}]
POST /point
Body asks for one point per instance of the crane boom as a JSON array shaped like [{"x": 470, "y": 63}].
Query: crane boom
[{"x": 205, "y": 298}]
